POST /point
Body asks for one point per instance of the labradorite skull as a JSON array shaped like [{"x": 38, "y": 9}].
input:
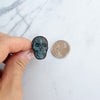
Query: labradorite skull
[{"x": 40, "y": 47}]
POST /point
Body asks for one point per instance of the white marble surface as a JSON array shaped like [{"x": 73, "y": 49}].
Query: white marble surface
[{"x": 76, "y": 77}]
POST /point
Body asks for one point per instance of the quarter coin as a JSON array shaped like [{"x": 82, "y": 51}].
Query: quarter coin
[{"x": 60, "y": 49}]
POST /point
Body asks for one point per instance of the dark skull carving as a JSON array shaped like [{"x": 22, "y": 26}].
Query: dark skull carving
[{"x": 40, "y": 47}]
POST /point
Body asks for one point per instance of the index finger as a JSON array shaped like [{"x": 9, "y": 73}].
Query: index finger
[{"x": 13, "y": 45}]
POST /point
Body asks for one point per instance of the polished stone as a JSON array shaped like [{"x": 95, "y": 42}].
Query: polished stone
[{"x": 40, "y": 47}]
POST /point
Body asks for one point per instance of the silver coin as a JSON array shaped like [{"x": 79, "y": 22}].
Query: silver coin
[{"x": 60, "y": 49}]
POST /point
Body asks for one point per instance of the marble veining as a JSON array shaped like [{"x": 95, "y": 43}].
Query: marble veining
[
  {"x": 76, "y": 77},
  {"x": 5, "y": 10}
]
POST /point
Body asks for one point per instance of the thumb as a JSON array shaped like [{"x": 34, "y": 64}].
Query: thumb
[{"x": 15, "y": 66}]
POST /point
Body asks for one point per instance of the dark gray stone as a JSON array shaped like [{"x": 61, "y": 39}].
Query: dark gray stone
[{"x": 40, "y": 47}]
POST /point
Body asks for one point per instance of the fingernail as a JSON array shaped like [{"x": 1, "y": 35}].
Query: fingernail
[{"x": 30, "y": 54}]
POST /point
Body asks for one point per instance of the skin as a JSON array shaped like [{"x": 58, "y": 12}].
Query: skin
[{"x": 11, "y": 76}]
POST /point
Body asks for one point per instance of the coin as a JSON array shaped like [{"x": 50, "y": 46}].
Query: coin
[{"x": 60, "y": 49}]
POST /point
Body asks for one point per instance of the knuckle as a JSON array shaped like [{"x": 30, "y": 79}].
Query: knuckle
[{"x": 21, "y": 65}]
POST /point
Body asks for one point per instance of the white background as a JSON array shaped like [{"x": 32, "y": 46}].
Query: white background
[{"x": 76, "y": 77}]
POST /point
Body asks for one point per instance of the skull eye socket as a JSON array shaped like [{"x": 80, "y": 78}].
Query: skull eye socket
[
  {"x": 44, "y": 45},
  {"x": 37, "y": 44}
]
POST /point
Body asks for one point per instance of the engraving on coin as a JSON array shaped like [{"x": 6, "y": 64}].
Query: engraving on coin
[{"x": 60, "y": 49}]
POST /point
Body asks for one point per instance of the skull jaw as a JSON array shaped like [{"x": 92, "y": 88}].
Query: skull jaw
[{"x": 39, "y": 55}]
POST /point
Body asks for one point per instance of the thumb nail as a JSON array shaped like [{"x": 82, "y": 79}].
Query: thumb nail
[{"x": 29, "y": 54}]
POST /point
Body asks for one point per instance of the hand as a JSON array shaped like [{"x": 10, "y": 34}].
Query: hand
[{"x": 10, "y": 78}]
